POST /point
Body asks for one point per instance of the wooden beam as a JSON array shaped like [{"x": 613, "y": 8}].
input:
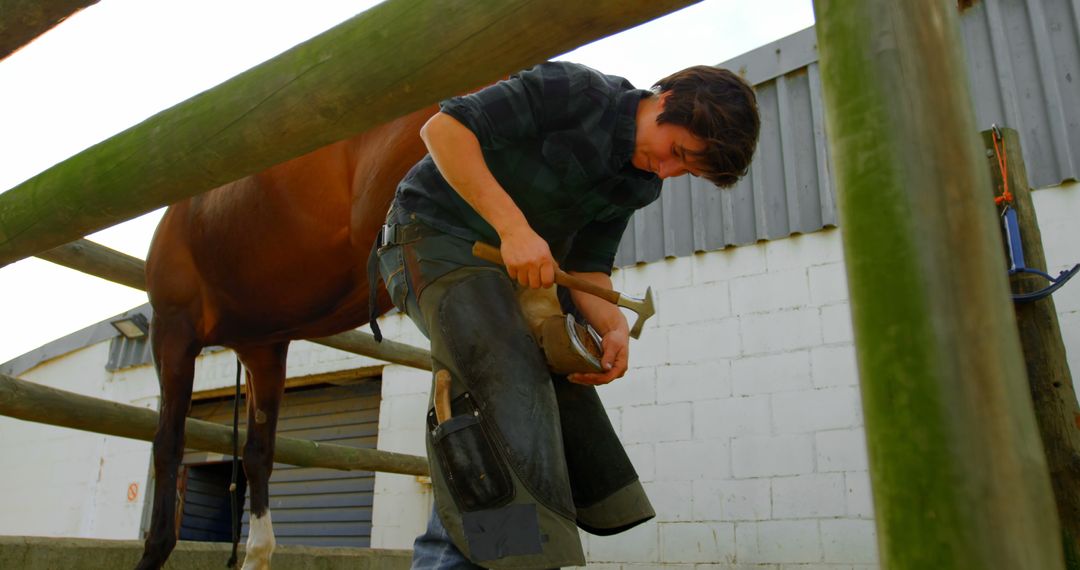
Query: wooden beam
[
  {"x": 25, "y": 20},
  {"x": 395, "y": 58},
  {"x": 95, "y": 259},
  {"x": 958, "y": 474},
  {"x": 100, "y": 261},
  {"x": 36, "y": 403},
  {"x": 1048, "y": 374}
]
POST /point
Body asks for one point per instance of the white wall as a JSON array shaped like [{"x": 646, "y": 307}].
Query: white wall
[{"x": 63, "y": 482}]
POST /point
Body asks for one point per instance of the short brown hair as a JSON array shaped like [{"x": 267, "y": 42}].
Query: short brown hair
[{"x": 720, "y": 108}]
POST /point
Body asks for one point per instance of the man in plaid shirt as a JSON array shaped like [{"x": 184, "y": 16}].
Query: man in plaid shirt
[{"x": 549, "y": 165}]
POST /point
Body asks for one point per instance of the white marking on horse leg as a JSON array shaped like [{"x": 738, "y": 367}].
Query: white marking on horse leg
[{"x": 260, "y": 543}]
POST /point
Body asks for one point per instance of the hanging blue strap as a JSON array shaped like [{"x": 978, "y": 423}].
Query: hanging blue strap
[{"x": 1016, "y": 261}]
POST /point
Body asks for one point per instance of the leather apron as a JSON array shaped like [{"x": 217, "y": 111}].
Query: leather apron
[{"x": 526, "y": 457}]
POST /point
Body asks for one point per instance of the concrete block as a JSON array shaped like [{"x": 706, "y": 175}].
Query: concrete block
[
  {"x": 639, "y": 544},
  {"x": 841, "y": 450},
  {"x": 781, "y": 331},
  {"x": 643, "y": 457},
  {"x": 661, "y": 275},
  {"x": 834, "y": 366},
  {"x": 636, "y": 388},
  {"x": 760, "y": 456},
  {"x": 849, "y": 541},
  {"x": 809, "y": 496},
  {"x": 778, "y": 542},
  {"x": 404, "y": 412},
  {"x": 650, "y": 350},
  {"x": 816, "y": 410},
  {"x": 693, "y": 382},
  {"x": 828, "y": 284},
  {"x": 860, "y": 500},
  {"x": 673, "y": 501},
  {"x": 688, "y": 460},
  {"x": 36, "y": 553},
  {"x": 654, "y": 423},
  {"x": 733, "y": 500},
  {"x": 771, "y": 291},
  {"x": 836, "y": 324},
  {"x": 765, "y": 374},
  {"x": 708, "y": 302},
  {"x": 730, "y": 417},
  {"x": 398, "y": 380},
  {"x": 729, "y": 263},
  {"x": 817, "y": 248},
  {"x": 697, "y": 542},
  {"x": 704, "y": 341}
]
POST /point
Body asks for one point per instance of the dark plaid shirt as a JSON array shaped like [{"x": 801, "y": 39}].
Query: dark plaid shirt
[{"x": 559, "y": 138}]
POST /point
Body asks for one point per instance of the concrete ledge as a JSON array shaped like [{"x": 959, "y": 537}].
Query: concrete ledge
[{"x": 40, "y": 553}]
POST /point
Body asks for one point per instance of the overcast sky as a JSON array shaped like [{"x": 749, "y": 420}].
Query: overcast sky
[{"x": 120, "y": 61}]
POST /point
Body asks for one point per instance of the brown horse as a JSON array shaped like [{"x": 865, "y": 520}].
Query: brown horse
[{"x": 252, "y": 265}]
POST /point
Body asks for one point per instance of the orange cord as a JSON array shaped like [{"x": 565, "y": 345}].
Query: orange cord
[{"x": 1003, "y": 163}]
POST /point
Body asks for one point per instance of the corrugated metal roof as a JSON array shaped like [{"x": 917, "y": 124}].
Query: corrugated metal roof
[{"x": 1023, "y": 59}]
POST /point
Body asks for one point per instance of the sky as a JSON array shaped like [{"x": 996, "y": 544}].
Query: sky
[{"x": 118, "y": 62}]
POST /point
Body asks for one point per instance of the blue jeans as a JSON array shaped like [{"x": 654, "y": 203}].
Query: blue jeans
[{"x": 434, "y": 550}]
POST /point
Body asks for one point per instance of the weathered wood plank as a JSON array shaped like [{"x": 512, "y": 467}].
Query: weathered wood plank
[
  {"x": 1050, "y": 380},
  {"x": 36, "y": 403},
  {"x": 958, "y": 474},
  {"x": 388, "y": 61},
  {"x": 95, "y": 259}
]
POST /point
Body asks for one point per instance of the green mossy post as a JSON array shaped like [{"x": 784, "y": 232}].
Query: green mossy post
[
  {"x": 37, "y": 403},
  {"x": 957, "y": 469},
  {"x": 21, "y": 21},
  {"x": 1052, "y": 389},
  {"x": 388, "y": 61}
]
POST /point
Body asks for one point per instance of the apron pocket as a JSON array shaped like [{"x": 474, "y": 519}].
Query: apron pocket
[{"x": 476, "y": 477}]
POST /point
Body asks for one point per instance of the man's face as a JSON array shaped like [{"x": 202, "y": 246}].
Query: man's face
[{"x": 664, "y": 149}]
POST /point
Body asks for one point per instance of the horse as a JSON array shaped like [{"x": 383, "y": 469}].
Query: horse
[{"x": 252, "y": 265}]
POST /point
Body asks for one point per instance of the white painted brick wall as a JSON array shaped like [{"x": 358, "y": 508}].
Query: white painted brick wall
[
  {"x": 808, "y": 496},
  {"x": 778, "y": 542},
  {"x": 816, "y": 410},
  {"x": 771, "y": 373},
  {"x": 781, "y": 331},
  {"x": 733, "y": 499},
  {"x": 653, "y": 423},
  {"x": 771, "y": 456},
  {"x": 786, "y": 289}
]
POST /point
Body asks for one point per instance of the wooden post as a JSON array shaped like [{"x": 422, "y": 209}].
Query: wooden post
[
  {"x": 397, "y": 57},
  {"x": 1051, "y": 384},
  {"x": 21, "y": 21},
  {"x": 95, "y": 259},
  {"x": 36, "y": 403},
  {"x": 958, "y": 474}
]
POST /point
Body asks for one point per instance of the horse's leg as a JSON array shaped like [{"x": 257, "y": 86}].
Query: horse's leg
[
  {"x": 174, "y": 356},
  {"x": 265, "y": 385}
]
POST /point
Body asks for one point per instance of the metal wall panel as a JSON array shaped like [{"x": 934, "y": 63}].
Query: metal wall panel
[
  {"x": 1024, "y": 67},
  {"x": 315, "y": 506}
]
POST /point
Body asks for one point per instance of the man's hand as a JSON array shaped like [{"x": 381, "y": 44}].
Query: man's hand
[
  {"x": 528, "y": 258},
  {"x": 616, "y": 345}
]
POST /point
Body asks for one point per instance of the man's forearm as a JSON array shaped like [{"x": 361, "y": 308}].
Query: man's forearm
[{"x": 601, "y": 314}]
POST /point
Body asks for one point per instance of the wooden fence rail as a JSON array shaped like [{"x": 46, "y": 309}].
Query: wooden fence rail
[
  {"x": 395, "y": 58},
  {"x": 32, "y": 402}
]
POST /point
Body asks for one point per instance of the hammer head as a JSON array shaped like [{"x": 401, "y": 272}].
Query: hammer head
[{"x": 643, "y": 307}]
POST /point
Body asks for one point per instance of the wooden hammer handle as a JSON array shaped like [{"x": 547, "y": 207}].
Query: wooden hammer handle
[
  {"x": 492, "y": 254},
  {"x": 442, "y": 396}
]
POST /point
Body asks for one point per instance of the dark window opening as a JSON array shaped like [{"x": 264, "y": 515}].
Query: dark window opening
[{"x": 204, "y": 492}]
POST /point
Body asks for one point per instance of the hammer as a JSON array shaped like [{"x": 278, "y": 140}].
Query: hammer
[{"x": 643, "y": 307}]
